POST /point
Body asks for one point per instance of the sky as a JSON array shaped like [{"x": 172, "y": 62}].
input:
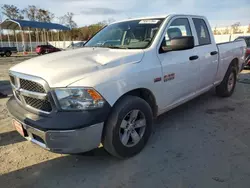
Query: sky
[{"x": 219, "y": 12}]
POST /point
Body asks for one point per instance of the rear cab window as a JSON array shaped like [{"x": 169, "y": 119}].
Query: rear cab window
[
  {"x": 248, "y": 42},
  {"x": 202, "y": 31}
]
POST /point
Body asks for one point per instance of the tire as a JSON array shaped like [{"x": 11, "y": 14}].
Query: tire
[
  {"x": 1, "y": 55},
  {"x": 247, "y": 66},
  {"x": 113, "y": 131},
  {"x": 227, "y": 86},
  {"x": 8, "y": 54}
]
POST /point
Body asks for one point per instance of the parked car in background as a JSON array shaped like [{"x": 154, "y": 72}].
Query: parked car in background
[
  {"x": 72, "y": 101},
  {"x": 76, "y": 45},
  {"x": 45, "y": 49},
  {"x": 7, "y": 51},
  {"x": 247, "y": 39}
]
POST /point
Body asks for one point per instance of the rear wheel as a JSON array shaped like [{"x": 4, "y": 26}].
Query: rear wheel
[
  {"x": 8, "y": 54},
  {"x": 227, "y": 86},
  {"x": 128, "y": 128}
]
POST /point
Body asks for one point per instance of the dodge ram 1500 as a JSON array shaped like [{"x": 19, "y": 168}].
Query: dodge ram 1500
[{"x": 110, "y": 90}]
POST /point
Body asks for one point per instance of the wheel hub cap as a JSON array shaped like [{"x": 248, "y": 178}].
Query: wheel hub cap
[
  {"x": 230, "y": 83},
  {"x": 132, "y": 128}
]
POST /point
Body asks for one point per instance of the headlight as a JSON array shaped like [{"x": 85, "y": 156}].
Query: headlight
[{"x": 79, "y": 98}]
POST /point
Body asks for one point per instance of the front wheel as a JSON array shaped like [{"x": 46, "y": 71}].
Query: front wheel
[
  {"x": 227, "y": 86},
  {"x": 128, "y": 128},
  {"x": 8, "y": 54}
]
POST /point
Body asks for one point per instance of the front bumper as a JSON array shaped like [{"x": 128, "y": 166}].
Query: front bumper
[
  {"x": 61, "y": 132},
  {"x": 70, "y": 141}
]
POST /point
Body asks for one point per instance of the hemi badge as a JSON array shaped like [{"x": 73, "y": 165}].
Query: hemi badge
[{"x": 157, "y": 79}]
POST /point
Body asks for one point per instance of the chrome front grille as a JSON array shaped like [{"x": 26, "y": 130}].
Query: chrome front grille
[
  {"x": 31, "y": 86},
  {"x": 31, "y": 92},
  {"x": 43, "y": 105}
]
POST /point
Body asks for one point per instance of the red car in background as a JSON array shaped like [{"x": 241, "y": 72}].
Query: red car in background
[
  {"x": 247, "y": 39},
  {"x": 45, "y": 49}
]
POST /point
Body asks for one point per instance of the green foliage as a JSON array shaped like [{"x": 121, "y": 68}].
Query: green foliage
[
  {"x": 12, "y": 12},
  {"x": 235, "y": 28},
  {"x": 34, "y": 13},
  {"x": 37, "y": 14},
  {"x": 67, "y": 20}
]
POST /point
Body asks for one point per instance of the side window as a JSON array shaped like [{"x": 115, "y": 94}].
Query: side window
[
  {"x": 178, "y": 28},
  {"x": 248, "y": 42},
  {"x": 202, "y": 31}
]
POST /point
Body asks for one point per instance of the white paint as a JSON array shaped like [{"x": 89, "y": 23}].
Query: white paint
[{"x": 114, "y": 72}]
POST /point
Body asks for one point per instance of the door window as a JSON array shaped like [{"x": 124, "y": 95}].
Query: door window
[
  {"x": 178, "y": 28},
  {"x": 202, "y": 31}
]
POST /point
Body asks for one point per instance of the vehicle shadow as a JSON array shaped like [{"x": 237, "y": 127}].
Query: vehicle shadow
[
  {"x": 185, "y": 108},
  {"x": 244, "y": 77},
  {"x": 67, "y": 171},
  {"x": 10, "y": 137}
]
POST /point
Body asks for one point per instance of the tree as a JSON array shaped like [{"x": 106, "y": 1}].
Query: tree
[
  {"x": 12, "y": 12},
  {"x": 235, "y": 27},
  {"x": 216, "y": 32},
  {"x": 248, "y": 30},
  {"x": 226, "y": 31},
  {"x": 44, "y": 15},
  {"x": 30, "y": 12},
  {"x": 37, "y": 14},
  {"x": 67, "y": 20}
]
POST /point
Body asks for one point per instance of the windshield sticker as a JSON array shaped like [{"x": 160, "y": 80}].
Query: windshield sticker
[{"x": 149, "y": 21}]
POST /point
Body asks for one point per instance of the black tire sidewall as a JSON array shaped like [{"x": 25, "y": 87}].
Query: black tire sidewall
[
  {"x": 234, "y": 71},
  {"x": 222, "y": 89},
  {"x": 247, "y": 59},
  {"x": 120, "y": 111},
  {"x": 7, "y": 54}
]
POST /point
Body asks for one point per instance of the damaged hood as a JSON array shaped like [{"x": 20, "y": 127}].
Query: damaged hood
[{"x": 63, "y": 68}]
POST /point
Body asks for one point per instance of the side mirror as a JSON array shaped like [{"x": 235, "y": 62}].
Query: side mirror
[{"x": 179, "y": 43}]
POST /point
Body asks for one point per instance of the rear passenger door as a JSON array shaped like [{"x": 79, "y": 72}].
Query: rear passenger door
[{"x": 207, "y": 51}]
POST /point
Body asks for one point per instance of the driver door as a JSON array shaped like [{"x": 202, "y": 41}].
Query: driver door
[{"x": 180, "y": 68}]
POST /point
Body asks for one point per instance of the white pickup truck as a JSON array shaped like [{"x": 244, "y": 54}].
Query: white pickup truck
[{"x": 109, "y": 91}]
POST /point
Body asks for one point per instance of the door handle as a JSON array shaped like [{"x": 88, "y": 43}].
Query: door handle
[
  {"x": 214, "y": 53},
  {"x": 192, "y": 58}
]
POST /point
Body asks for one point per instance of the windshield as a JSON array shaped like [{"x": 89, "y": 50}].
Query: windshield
[{"x": 135, "y": 34}]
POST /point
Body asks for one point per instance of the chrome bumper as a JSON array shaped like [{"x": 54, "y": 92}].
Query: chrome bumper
[{"x": 66, "y": 141}]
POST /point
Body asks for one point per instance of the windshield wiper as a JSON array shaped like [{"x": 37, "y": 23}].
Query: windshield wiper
[{"x": 110, "y": 46}]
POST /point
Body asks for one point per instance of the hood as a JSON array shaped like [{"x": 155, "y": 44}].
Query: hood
[{"x": 63, "y": 68}]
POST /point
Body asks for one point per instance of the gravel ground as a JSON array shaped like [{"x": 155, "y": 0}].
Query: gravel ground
[{"x": 201, "y": 144}]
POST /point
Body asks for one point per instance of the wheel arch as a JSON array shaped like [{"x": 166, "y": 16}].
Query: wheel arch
[
  {"x": 235, "y": 63},
  {"x": 146, "y": 95}
]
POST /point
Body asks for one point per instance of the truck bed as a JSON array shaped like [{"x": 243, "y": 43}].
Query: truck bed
[{"x": 227, "y": 52}]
